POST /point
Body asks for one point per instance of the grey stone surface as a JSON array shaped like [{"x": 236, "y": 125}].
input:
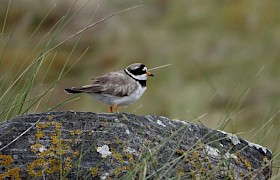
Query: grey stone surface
[{"x": 87, "y": 145}]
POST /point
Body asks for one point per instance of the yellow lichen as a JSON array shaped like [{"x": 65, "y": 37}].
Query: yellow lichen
[
  {"x": 6, "y": 159},
  {"x": 248, "y": 164},
  {"x": 180, "y": 171},
  {"x": 12, "y": 173},
  {"x": 76, "y": 153},
  {"x": 130, "y": 157},
  {"x": 53, "y": 137},
  {"x": 118, "y": 170},
  {"x": 94, "y": 171},
  {"x": 75, "y": 132},
  {"x": 37, "y": 167},
  {"x": 54, "y": 165},
  {"x": 117, "y": 155},
  {"x": 265, "y": 161},
  {"x": 58, "y": 125},
  {"x": 245, "y": 162},
  {"x": 194, "y": 174},
  {"x": 180, "y": 151},
  {"x": 35, "y": 147},
  {"x": 196, "y": 154},
  {"x": 105, "y": 123},
  {"x": 43, "y": 125},
  {"x": 49, "y": 161},
  {"x": 40, "y": 135},
  {"x": 44, "y": 153},
  {"x": 68, "y": 163}
]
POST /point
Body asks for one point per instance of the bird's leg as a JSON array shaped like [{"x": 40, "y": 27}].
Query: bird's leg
[
  {"x": 116, "y": 108},
  {"x": 111, "y": 109}
]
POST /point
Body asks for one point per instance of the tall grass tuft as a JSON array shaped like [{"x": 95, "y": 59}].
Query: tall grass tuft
[{"x": 23, "y": 78}]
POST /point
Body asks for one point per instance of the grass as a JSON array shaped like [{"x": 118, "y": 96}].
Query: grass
[
  {"x": 224, "y": 60},
  {"x": 17, "y": 99}
]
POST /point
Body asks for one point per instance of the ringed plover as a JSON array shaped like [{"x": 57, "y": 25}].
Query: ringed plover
[{"x": 119, "y": 88}]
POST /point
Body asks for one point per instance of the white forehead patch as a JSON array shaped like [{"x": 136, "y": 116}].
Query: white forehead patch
[{"x": 145, "y": 69}]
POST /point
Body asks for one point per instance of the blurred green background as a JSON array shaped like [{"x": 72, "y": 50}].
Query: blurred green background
[{"x": 225, "y": 56}]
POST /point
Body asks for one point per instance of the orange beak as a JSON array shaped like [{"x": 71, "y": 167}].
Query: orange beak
[{"x": 149, "y": 74}]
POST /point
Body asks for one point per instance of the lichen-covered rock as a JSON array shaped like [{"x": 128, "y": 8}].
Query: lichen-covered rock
[{"x": 87, "y": 145}]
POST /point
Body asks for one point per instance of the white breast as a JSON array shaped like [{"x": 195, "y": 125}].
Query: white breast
[{"x": 126, "y": 100}]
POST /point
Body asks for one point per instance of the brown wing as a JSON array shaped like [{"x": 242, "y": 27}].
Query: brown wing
[{"x": 114, "y": 83}]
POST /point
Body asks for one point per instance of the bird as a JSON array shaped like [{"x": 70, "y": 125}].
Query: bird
[{"x": 120, "y": 88}]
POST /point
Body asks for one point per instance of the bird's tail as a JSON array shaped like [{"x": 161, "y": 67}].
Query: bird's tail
[{"x": 72, "y": 91}]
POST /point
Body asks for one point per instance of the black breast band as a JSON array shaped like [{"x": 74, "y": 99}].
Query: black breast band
[{"x": 142, "y": 82}]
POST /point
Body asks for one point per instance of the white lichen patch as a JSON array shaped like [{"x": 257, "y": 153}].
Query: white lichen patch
[
  {"x": 42, "y": 149},
  {"x": 259, "y": 147},
  {"x": 233, "y": 156},
  {"x": 127, "y": 131},
  {"x": 104, "y": 151},
  {"x": 160, "y": 123},
  {"x": 234, "y": 139},
  {"x": 180, "y": 121},
  {"x": 212, "y": 151},
  {"x": 117, "y": 120},
  {"x": 130, "y": 150},
  {"x": 104, "y": 176}
]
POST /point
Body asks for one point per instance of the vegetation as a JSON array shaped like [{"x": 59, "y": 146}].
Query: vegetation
[{"x": 224, "y": 55}]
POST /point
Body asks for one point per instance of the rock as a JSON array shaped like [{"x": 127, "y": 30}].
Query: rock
[{"x": 87, "y": 145}]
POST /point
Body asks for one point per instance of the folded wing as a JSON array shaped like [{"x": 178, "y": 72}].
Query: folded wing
[{"x": 114, "y": 83}]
